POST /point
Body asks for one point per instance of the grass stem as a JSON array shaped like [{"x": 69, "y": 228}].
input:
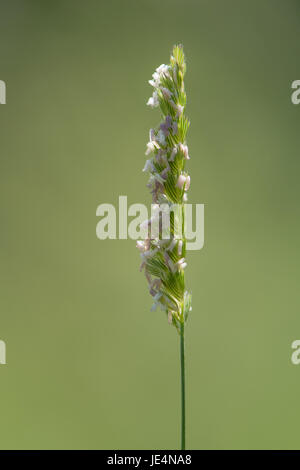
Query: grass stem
[{"x": 182, "y": 362}]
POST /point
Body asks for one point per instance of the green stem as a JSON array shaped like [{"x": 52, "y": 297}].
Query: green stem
[{"x": 182, "y": 362}]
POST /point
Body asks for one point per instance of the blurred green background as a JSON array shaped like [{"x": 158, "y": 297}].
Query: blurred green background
[{"x": 88, "y": 364}]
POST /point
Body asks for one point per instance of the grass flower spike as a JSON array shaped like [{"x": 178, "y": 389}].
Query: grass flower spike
[{"x": 164, "y": 257}]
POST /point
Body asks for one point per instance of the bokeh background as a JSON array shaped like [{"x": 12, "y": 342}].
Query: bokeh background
[{"x": 88, "y": 365}]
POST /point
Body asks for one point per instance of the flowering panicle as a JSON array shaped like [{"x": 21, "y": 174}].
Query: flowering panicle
[{"x": 163, "y": 259}]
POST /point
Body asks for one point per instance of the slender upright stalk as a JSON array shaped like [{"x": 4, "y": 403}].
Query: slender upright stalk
[
  {"x": 182, "y": 363},
  {"x": 163, "y": 252}
]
